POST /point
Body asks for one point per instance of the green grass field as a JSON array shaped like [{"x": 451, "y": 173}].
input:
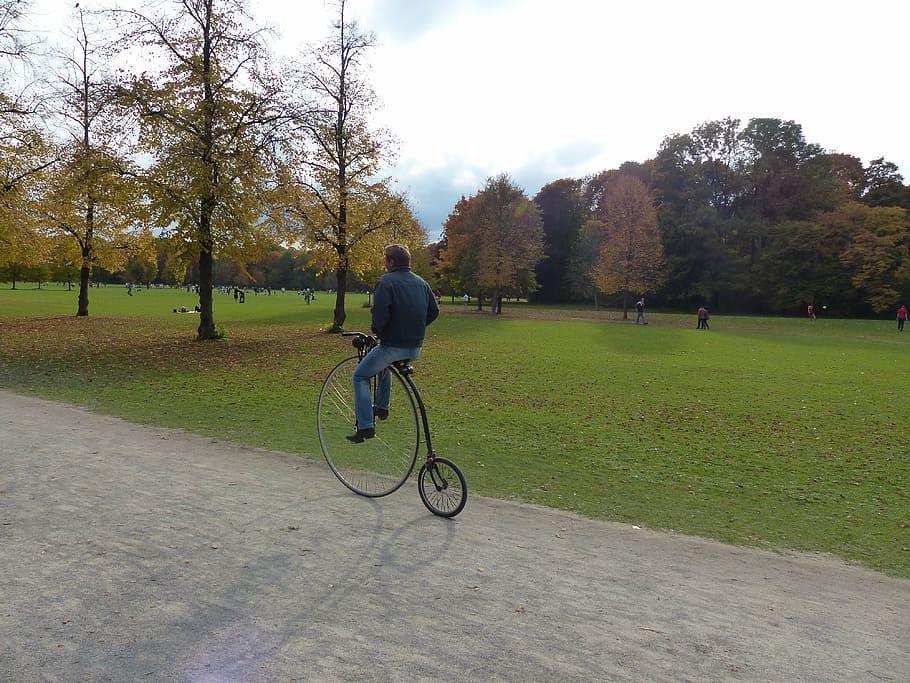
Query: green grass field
[{"x": 777, "y": 433}]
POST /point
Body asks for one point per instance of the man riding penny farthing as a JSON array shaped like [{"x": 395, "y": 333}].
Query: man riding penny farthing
[
  {"x": 378, "y": 449},
  {"x": 403, "y": 306}
]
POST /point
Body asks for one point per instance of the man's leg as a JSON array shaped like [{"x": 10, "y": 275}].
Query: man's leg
[
  {"x": 372, "y": 364},
  {"x": 384, "y": 389}
]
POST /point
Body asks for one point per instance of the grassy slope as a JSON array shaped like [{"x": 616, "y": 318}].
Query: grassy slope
[{"x": 773, "y": 432}]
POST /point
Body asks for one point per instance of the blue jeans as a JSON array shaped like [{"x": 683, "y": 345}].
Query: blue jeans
[{"x": 376, "y": 362}]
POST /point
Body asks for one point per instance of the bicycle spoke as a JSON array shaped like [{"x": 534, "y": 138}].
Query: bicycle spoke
[{"x": 377, "y": 466}]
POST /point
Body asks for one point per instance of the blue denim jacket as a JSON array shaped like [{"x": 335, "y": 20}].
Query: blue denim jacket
[{"x": 403, "y": 306}]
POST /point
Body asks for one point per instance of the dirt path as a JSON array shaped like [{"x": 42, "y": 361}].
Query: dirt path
[{"x": 132, "y": 553}]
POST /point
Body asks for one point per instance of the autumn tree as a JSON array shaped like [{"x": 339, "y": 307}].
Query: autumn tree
[
  {"x": 211, "y": 119},
  {"x": 91, "y": 195},
  {"x": 631, "y": 256},
  {"x": 879, "y": 254},
  {"x": 25, "y": 151},
  {"x": 510, "y": 239},
  {"x": 25, "y": 155},
  {"x": 494, "y": 240},
  {"x": 579, "y": 280},
  {"x": 455, "y": 260},
  {"x": 345, "y": 213}
]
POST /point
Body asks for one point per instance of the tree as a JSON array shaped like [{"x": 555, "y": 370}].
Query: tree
[
  {"x": 579, "y": 273},
  {"x": 699, "y": 181},
  {"x": 776, "y": 156},
  {"x": 18, "y": 46},
  {"x": 25, "y": 152},
  {"x": 91, "y": 194},
  {"x": 346, "y": 214},
  {"x": 15, "y": 42},
  {"x": 879, "y": 254},
  {"x": 212, "y": 120},
  {"x": 885, "y": 185},
  {"x": 510, "y": 239},
  {"x": 802, "y": 265},
  {"x": 631, "y": 256},
  {"x": 494, "y": 240},
  {"x": 456, "y": 261},
  {"x": 563, "y": 211}
]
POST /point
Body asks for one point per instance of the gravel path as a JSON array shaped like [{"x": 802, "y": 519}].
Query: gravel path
[{"x": 132, "y": 553}]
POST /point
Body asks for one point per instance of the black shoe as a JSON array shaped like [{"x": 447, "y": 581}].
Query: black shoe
[
  {"x": 381, "y": 413},
  {"x": 361, "y": 435}
]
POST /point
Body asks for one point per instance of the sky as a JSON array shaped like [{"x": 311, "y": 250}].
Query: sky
[{"x": 550, "y": 89}]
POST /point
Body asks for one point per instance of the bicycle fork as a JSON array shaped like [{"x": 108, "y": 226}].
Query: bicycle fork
[{"x": 439, "y": 481}]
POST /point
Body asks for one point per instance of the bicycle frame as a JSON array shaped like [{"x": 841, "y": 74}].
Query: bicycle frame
[{"x": 404, "y": 370}]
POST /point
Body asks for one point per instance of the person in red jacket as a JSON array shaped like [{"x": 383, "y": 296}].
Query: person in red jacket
[{"x": 901, "y": 318}]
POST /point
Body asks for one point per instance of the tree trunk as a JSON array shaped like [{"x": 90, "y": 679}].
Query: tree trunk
[
  {"x": 84, "y": 273},
  {"x": 206, "y": 314},
  {"x": 339, "y": 316}
]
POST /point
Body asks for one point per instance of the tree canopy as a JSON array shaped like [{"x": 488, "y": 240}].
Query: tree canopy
[{"x": 494, "y": 240}]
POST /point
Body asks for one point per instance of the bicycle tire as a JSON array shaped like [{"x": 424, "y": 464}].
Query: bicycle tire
[
  {"x": 442, "y": 487},
  {"x": 378, "y": 466}
]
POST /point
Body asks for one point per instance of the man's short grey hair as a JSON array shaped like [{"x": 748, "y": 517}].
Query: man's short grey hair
[{"x": 398, "y": 254}]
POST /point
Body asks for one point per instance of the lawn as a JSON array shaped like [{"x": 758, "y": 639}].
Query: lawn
[{"x": 772, "y": 432}]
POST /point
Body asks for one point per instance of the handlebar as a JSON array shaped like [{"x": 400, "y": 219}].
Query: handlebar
[{"x": 361, "y": 341}]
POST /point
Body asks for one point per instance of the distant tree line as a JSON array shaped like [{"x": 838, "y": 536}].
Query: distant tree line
[
  {"x": 204, "y": 159},
  {"x": 751, "y": 219}
]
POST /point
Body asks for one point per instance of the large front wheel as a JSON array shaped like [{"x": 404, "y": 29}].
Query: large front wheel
[
  {"x": 442, "y": 487},
  {"x": 377, "y": 466}
]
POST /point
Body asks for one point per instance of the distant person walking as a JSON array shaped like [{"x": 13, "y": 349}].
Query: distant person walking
[
  {"x": 811, "y": 312},
  {"x": 640, "y": 307},
  {"x": 901, "y": 317},
  {"x": 703, "y": 317}
]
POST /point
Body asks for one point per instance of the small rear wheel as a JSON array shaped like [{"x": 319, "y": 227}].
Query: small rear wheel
[{"x": 442, "y": 487}]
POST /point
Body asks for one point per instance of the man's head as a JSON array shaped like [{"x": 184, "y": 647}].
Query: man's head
[{"x": 397, "y": 255}]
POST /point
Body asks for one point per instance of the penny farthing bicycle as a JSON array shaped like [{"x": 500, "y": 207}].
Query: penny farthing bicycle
[{"x": 379, "y": 466}]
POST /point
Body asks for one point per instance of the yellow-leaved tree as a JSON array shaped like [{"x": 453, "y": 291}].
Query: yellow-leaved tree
[
  {"x": 212, "y": 120},
  {"x": 330, "y": 195},
  {"x": 90, "y": 195},
  {"x": 25, "y": 152},
  {"x": 879, "y": 253},
  {"x": 24, "y": 157},
  {"x": 631, "y": 256}
]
